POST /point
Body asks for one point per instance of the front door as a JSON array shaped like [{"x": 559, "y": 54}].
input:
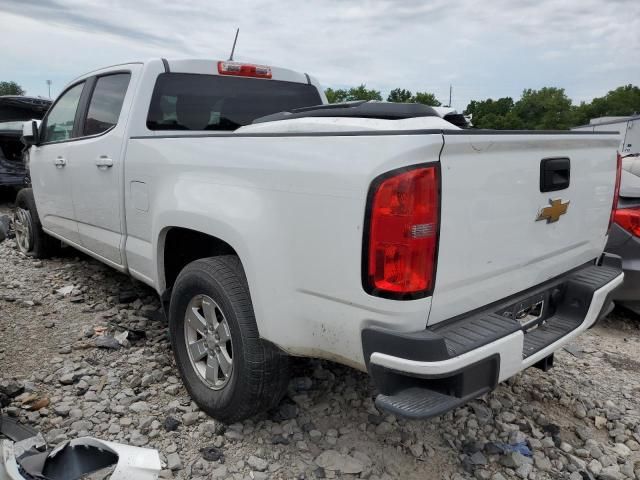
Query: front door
[
  {"x": 98, "y": 168},
  {"x": 50, "y": 169}
]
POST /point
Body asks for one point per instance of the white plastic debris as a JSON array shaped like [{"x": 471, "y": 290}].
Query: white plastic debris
[
  {"x": 133, "y": 463},
  {"x": 66, "y": 291}
]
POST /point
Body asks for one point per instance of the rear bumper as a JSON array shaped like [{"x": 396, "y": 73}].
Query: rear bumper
[{"x": 452, "y": 362}]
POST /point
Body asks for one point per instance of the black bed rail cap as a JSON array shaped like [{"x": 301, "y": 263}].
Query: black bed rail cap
[{"x": 357, "y": 109}]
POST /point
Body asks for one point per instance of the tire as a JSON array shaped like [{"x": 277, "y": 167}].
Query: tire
[
  {"x": 30, "y": 238},
  {"x": 259, "y": 373}
]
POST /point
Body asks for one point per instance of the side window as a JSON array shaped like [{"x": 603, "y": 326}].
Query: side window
[
  {"x": 59, "y": 122},
  {"x": 106, "y": 103}
]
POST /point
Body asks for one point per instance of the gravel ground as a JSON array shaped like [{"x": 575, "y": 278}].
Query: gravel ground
[{"x": 579, "y": 421}]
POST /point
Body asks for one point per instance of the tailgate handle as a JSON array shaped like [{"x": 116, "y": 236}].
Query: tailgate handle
[{"x": 555, "y": 174}]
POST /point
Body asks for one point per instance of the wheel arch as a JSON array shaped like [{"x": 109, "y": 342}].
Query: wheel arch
[{"x": 179, "y": 245}]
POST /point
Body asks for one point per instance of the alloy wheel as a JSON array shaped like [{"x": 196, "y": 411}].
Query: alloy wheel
[
  {"x": 208, "y": 341},
  {"x": 23, "y": 229}
]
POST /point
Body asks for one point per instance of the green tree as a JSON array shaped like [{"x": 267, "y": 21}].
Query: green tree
[
  {"x": 354, "y": 93},
  {"x": 426, "y": 98},
  {"x": 399, "y": 95},
  {"x": 546, "y": 109},
  {"x": 11, "y": 88},
  {"x": 363, "y": 93},
  {"x": 491, "y": 113},
  {"x": 335, "y": 96}
]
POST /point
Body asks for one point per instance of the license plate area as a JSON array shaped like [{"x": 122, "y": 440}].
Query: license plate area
[{"x": 532, "y": 311}]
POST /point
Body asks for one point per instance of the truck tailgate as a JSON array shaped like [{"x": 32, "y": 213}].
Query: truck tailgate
[{"x": 491, "y": 243}]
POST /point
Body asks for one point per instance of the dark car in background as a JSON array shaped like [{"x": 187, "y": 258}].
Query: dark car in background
[{"x": 14, "y": 110}]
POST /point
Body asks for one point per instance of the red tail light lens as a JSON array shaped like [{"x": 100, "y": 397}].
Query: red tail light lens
[
  {"x": 402, "y": 237},
  {"x": 244, "y": 70},
  {"x": 629, "y": 219},
  {"x": 616, "y": 190}
]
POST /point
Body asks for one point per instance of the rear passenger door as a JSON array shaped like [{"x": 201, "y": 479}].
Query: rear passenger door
[{"x": 97, "y": 160}]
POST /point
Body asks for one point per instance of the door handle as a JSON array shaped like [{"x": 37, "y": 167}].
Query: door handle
[
  {"x": 60, "y": 162},
  {"x": 104, "y": 162}
]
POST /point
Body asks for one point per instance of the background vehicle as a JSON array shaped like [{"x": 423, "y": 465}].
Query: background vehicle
[
  {"x": 14, "y": 110},
  {"x": 629, "y": 130},
  {"x": 624, "y": 238},
  {"x": 381, "y": 236}
]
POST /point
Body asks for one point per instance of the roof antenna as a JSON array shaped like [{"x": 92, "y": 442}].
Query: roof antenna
[{"x": 233, "y": 49}]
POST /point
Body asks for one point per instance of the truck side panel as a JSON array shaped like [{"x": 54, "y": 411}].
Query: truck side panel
[{"x": 282, "y": 203}]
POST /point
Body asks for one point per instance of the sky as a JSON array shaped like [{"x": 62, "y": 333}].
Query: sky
[{"x": 483, "y": 49}]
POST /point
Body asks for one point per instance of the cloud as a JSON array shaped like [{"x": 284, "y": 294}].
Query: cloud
[
  {"x": 489, "y": 49},
  {"x": 72, "y": 16}
]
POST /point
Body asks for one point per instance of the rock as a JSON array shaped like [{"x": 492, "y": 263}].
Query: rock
[
  {"x": 257, "y": 463},
  {"x": 384, "y": 429},
  {"x": 171, "y": 424},
  {"x": 633, "y": 445},
  {"x": 233, "y": 435},
  {"x": 67, "y": 379},
  {"x": 4, "y": 227},
  {"x": 621, "y": 449},
  {"x": 82, "y": 426},
  {"x": 600, "y": 422},
  {"x": 595, "y": 467},
  {"x": 611, "y": 473},
  {"x": 138, "y": 440},
  {"x": 172, "y": 389},
  {"x": 190, "y": 418},
  {"x": 565, "y": 447},
  {"x": 279, "y": 440},
  {"x": 482, "y": 412},
  {"x": 220, "y": 472},
  {"x": 173, "y": 462},
  {"x": 551, "y": 429},
  {"x": 524, "y": 470},
  {"x": 337, "y": 462},
  {"x": 62, "y": 410},
  {"x": 139, "y": 407},
  {"x": 542, "y": 463},
  {"x": 478, "y": 459},
  {"x": 514, "y": 460},
  {"x": 416, "y": 449},
  {"x": 107, "y": 341}
]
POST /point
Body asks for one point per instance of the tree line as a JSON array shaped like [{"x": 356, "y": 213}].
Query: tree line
[{"x": 548, "y": 108}]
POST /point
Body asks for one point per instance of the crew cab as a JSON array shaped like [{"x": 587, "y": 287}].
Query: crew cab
[{"x": 441, "y": 260}]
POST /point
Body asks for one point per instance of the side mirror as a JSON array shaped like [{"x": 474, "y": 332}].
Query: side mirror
[{"x": 31, "y": 133}]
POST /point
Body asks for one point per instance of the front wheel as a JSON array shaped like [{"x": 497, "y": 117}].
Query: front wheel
[
  {"x": 229, "y": 371},
  {"x": 30, "y": 238}
]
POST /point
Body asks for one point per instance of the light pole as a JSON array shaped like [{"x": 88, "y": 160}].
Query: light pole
[{"x": 49, "y": 85}]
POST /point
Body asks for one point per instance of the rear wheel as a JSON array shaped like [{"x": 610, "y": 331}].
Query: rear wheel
[
  {"x": 229, "y": 371},
  {"x": 30, "y": 238}
]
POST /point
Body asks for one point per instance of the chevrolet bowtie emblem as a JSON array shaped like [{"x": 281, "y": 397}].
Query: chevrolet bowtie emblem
[{"x": 552, "y": 212}]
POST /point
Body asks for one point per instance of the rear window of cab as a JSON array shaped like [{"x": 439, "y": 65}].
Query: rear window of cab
[{"x": 185, "y": 101}]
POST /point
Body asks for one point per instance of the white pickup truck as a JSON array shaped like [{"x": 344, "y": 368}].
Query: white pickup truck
[{"x": 440, "y": 260}]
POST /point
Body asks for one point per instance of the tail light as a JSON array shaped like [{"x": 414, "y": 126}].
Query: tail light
[
  {"x": 629, "y": 219},
  {"x": 401, "y": 233},
  {"x": 244, "y": 70},
  {"x": 616, "y": 190}
]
